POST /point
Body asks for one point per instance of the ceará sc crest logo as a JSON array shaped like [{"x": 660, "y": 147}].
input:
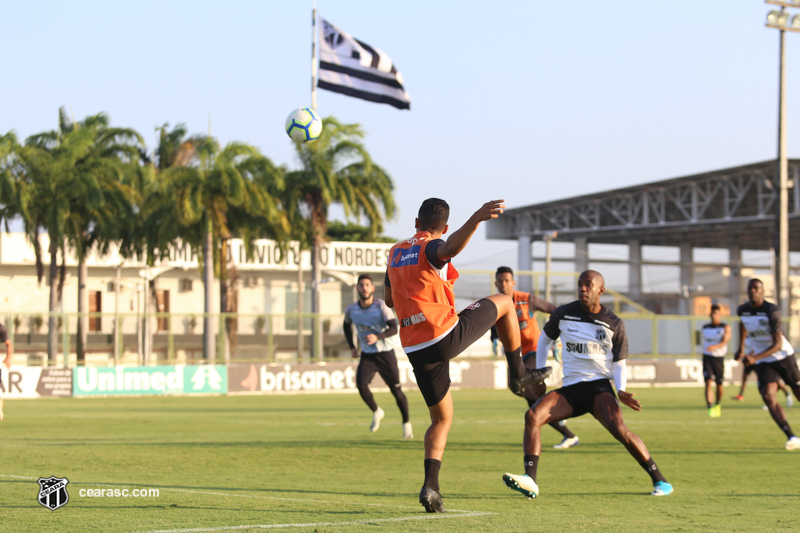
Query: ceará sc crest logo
[{"x": 53, "y": 492}]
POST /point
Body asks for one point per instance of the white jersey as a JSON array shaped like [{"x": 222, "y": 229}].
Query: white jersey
[
  {"x": 713, "y": 334},
  {"x": 761, "y": 323},
  {"x": 372, "y": 319},
  {"x": 590, "y": 343}
]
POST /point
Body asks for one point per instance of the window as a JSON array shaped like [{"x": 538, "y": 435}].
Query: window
[
  {"x": 95, "y": 306},
  {"x": 185, "y": 285},
  {"x": 162, "y": 306}
]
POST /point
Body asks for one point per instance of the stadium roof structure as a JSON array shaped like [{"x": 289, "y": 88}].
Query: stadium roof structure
[{"x": 730, "y": 207}]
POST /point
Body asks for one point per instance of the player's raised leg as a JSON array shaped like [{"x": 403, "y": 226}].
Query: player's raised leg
[
  {"x": 508, "y": 332},
  {"x": 607, "y": 412}
]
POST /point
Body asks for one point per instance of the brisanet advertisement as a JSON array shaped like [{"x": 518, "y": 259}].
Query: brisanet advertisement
[{"x": 150, "y": 380}]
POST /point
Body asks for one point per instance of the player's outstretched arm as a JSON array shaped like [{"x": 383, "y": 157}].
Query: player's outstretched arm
[
  {"x": 459, "y": 238},
  {"x": 620, "y": 369}
]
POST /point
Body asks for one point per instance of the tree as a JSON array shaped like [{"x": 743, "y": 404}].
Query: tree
[
  {"x": 337, "y": 169},
  {"x": 10, "y": 171},
  {"x": 73, "y": 189},
  {"x": 352, "y": 232},
  {"x": 213, "y": 194}
]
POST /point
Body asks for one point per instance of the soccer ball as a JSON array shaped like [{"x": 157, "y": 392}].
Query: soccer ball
[{"x": 303, "y": 125}]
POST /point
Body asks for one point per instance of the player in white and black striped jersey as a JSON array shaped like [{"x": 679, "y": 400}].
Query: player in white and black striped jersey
[
  {"x": 716, "y": 335},
  {"x": 595, "y": 348},
  {"x": 762, "y": 343}
]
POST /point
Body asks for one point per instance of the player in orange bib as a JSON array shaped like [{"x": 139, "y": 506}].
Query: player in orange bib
[
  {"x": 526, "y": 305},
  {"x": 419, "y": 285}
]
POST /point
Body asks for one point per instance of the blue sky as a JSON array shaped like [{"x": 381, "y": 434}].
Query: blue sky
[{"x": 527, "y": 101}]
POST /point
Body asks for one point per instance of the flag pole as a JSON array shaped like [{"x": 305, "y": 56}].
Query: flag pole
[{"x": 314, "y": 64}]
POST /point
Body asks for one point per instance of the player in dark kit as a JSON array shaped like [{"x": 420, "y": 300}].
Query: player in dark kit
[
  {"x": 716, "y": 335},
  {"x": 375, "y": 324},
  {"x": 419, "y": 284},
  {"x": 526, "y": 306},
  {"x": 761, "y": 343},
  {"x": 595, "y": 349}
]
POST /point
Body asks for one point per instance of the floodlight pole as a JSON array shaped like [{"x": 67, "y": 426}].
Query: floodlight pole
[
  {"x": 782, "y": 251},
  {"x": 783, "y": 178}
]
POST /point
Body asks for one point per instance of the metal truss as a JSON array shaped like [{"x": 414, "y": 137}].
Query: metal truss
[{"x": 718, "y": 209}]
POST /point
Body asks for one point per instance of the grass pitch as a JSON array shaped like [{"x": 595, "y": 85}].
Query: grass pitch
[{"x": 309, "y": 463}]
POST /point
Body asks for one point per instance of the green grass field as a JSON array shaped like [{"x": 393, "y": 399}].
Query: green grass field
[{"x": 309, "y": 463}]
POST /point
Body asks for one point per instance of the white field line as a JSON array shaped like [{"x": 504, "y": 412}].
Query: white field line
[
  {"x": 323, "y": 524},
  {"x": 199, "y": 490}
]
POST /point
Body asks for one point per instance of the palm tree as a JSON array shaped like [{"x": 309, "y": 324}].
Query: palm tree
[
  {"x": 10, "y": 171},
  {"x": 73, "y": 188},
  {"x": 213, "y": 194},
  {"x": 337, "y": 169}
]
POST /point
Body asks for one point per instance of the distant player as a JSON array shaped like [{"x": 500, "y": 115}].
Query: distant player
[
  {"x": 6, "y": 362},
  {"x": 746, "y": 371},
  {"x": 526, "y": 305},
  {"x": 716, "y": 335},
  {"x": 419, "y": 284},
  {"x": 761, "y": 343},
  {"x": 375, "y": 324},
  {"x": 595, "y": 349}
]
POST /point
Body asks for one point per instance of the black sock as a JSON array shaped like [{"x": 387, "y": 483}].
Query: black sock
[
  {"x": 563, "y": 429},
  {"x": 709, "y": 405},
  {"x": 651, "y": 468},
  {"x": 432, "y": 473},
  {"x": 531, "y": 464},
  {"x": 515, "y": 365},
  {"x": 786, "y": 429}
]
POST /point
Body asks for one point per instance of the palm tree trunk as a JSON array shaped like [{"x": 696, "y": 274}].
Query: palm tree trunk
[
  {"x": 52, "y": 321},
  {"x": 208, "y": 278},
  {"x": 83, "y": 304}
]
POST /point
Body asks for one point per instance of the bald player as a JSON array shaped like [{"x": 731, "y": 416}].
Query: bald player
[{"x": 595, "y": 349}]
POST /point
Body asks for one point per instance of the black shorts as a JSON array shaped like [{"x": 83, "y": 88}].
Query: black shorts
[
  {"x": 581, "y": 395},
  {"x": 785, "y": 369},
  {"x": 384, "y": 363},
  {"x": 432, "y": 364},
  {"x": 713, "y": 368}
]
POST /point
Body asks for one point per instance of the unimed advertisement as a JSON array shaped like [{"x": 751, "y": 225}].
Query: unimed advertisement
[{"x": 150, "y": 380}]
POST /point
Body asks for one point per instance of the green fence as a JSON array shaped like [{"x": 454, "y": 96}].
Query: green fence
[{"x": 242, "y": 338}]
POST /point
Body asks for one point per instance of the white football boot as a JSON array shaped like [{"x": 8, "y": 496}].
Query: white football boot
[{"x": 377, "y": 416}]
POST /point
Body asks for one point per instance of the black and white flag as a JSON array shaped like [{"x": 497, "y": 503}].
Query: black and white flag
[{"x": 354, "y": 68}]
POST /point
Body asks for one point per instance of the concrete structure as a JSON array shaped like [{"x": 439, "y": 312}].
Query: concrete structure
[{"x": 732, "y": 209}]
